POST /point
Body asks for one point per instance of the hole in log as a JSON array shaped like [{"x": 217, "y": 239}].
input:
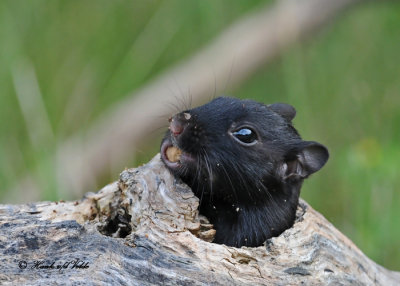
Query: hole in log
[
  {"x": 117, "y": 225},
  {"x": 207, "y": 233}
]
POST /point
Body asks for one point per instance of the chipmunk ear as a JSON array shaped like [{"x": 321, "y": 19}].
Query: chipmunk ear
[
  {"x": 307, "y": 159},
  {"x": 285, "y": 110}
]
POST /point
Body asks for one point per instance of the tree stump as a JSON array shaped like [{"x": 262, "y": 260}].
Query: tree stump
[{"x": 145, "y": 229}]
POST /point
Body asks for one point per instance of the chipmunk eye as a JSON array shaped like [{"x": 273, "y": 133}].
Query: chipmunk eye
[{"x": 245, "y": 136}]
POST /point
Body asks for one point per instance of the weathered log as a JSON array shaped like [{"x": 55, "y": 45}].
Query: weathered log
[{"x": 145, "y": 230}]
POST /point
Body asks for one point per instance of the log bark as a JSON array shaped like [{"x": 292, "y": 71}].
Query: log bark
[{"x": 145, "y": 229}]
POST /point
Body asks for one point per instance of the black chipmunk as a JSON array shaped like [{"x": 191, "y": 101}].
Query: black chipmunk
[{"x": 246, "y": 162}]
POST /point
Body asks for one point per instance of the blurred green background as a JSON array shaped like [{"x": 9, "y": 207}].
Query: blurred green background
[{"x": 76, "y": 58}]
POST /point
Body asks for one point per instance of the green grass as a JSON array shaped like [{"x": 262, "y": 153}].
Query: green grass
[
  {"x": 84, "y": 56},
  {"x": 75, "y": 58}
]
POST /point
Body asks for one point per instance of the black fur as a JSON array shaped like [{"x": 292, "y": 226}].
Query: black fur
[{"x": 249, "y": 193}]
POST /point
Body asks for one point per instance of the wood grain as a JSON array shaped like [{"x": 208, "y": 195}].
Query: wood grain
[{"x": 145, "y": 230}]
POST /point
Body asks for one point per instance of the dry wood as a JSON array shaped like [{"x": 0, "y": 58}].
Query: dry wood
[{"x": 146, "y": 230}]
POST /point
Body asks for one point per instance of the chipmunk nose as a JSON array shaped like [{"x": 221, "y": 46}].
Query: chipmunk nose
[
  {"x": 176, "y": 127},
  {"x": 178, "y": 123}
]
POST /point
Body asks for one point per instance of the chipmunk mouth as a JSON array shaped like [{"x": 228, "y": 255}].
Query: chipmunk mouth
[{"x": 173, "y": 156}]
